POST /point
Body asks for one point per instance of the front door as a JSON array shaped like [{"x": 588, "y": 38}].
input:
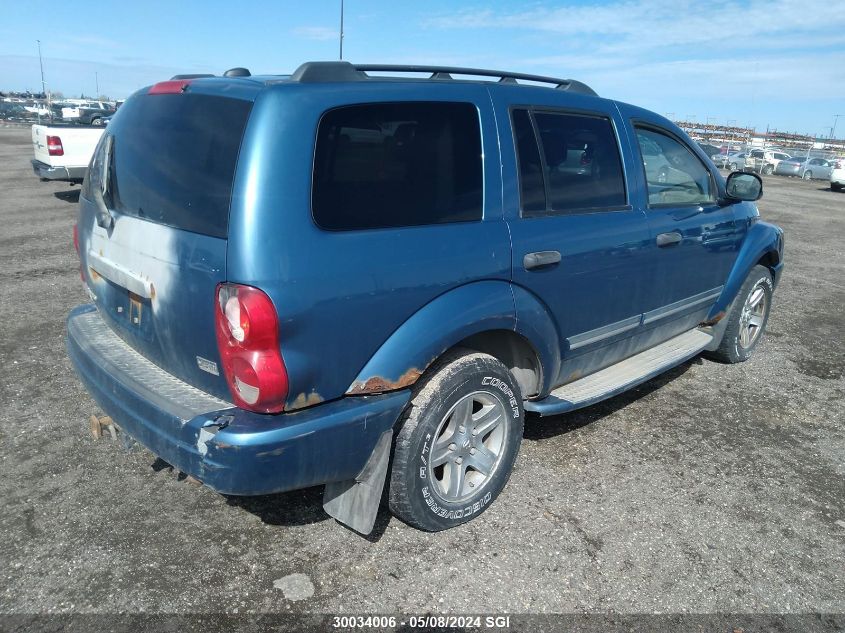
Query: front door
[{"x": 694, "y": 239}]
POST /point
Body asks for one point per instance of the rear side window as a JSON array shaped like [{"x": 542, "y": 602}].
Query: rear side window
[
  {"x": 174, "y": 159},
  {"x": 580, "y": 169},
  {"x": 397, "y": 164}
]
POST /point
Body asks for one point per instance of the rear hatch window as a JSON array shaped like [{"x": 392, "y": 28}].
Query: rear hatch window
[{"x": 174, "y": 159}]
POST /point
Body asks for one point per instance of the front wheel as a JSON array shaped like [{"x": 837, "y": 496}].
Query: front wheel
[
  {"x": 734, "y": 167},
  {"x": 457, "y": 442},
  {"x": 807, "y": 175},
  {"x": 747, "y": 319}
]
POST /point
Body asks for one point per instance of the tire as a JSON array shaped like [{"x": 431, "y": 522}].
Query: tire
[
  {"x": 741, "y": 336},
  {"x": 97, "y": 121},
  {"x": 768, "y": 170},
  {"x": 734, "y": 167},
  {"x": 835, "y": 187},
  {"x": 462, "y": 389},
  {"x": 808, "y": 175}
]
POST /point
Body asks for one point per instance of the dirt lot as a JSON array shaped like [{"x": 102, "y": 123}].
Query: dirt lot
[{"x": 713, "y": 488}]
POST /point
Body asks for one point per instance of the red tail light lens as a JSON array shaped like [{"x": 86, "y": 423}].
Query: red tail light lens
[
  {"x": 248, "y": 340},
  {"x": 54, "y": 146}
]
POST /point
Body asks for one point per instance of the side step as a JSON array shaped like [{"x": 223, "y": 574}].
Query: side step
[{"x": 622, "y": 376}]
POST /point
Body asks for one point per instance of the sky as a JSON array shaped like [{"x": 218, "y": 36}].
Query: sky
[{"x": 777, "y": 64}]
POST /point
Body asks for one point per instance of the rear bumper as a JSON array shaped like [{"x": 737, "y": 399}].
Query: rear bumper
[
  {"x": 48, "y": 172},
  {"x": 230, "y": 450}
]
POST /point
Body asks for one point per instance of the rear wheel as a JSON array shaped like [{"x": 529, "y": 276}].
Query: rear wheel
[
  {"x": 768, "y": 170},
  {"x": 807, "y": 175},
  {"x": 456, "y": 443},
  {"x": 734, "y": 167},
  {"x": 748, "y": 318}
]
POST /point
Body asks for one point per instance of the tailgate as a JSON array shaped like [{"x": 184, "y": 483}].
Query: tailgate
[
  {"x": 39, "y": 144},
  {"x": 153, "y": 227}
]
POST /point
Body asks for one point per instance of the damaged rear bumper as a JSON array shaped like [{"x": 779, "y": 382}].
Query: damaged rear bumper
[{"x": 231, "y": 450}]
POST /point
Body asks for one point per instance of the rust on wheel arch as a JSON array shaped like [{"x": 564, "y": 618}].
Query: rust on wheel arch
[
  {"x": 718, "y": 317},
  {"x": 379, "y": 384}
]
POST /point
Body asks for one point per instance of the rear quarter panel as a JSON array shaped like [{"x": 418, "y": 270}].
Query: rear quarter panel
[{"x": 340, "y": 295}]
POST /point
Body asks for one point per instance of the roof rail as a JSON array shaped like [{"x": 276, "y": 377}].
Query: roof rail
[{"x": 344, "y": 71}]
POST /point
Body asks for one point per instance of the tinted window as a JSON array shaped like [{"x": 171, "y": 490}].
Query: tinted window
[
  {"x": 674, "y": 174},
  {"x": 581, "y": 166},
  {"x": 397, "y": 164},
  {"x": 532, "y": 191},
  {"x": 174, "y": 159}
]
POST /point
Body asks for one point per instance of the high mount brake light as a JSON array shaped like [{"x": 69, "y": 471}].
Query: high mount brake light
[
  {"x": 248, "y": 339},
  {"x": 171, "y": 87}
]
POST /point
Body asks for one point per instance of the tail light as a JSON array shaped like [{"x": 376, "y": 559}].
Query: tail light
[
  {"x": 54, "y": 146},
  {"x": 248, "y": 340}
]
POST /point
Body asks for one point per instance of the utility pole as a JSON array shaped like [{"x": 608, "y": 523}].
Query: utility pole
[
  {"x": 833, "y": 129},
  {"x": 341, "y": 30},
  {"x": 97, "y": 83}
]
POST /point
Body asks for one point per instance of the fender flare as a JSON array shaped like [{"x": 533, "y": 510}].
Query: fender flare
[
  {"x": 470, "y": 309},
  {"x": 762, "y": 238}
]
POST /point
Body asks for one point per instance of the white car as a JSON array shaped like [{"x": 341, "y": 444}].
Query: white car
[{"x": 837, "y": 175}]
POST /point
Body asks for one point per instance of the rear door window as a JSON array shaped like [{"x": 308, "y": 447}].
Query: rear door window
[
  {"x": 174, "y": 159},
  {"x": 580, "y": 167},
  {"x": 397, "y": 164}
]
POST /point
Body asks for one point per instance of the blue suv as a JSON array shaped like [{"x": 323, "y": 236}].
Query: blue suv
[{"x": 364, "y": 276}]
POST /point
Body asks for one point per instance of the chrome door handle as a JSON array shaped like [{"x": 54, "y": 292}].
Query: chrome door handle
[
  {"x": 540, "y": 259},
  {"x": 669, "y": 239}
]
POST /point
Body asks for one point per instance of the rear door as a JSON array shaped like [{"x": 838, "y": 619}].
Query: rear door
[
  {"x": 153, "y": 226},
  {"x": 578, "y": 243}
]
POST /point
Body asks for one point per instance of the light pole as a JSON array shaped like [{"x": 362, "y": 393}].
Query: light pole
[
  {"x": 341, "y": 30},
  {"x": 41, "y": 64},
  {"x": 97, "y": 84}
]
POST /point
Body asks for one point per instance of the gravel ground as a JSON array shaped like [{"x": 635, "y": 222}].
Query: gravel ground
[{"x": 712, "y": 488}]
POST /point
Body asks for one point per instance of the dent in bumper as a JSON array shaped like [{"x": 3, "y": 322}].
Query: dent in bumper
[{"x": 238, "y": 452}]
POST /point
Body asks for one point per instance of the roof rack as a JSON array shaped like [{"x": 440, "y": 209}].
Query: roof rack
[{"x": 344, "y": 71}]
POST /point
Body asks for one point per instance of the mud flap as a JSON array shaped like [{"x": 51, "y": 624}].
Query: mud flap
[{"x": 355, "y": 502}]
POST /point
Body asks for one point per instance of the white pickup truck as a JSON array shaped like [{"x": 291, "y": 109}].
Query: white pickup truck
[{"x": 62, "y": 152}]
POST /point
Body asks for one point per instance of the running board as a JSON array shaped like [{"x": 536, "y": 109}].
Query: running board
[{"x": 622, "y": 376}]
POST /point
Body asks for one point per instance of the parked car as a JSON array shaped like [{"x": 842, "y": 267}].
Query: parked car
[
  {"x": 734, "y": 161},
  {"x": 711, "y": 150},
  {"x": 12, "y": 111},
  {"x": 62, "y": 152},
  {"x": 764, "y": 161},
  {"x": 837, "y": 174},
  {"x": 76, "y": 111},
  {"x": 806, "y": 168},
  {"x": 295, "y": 284}
]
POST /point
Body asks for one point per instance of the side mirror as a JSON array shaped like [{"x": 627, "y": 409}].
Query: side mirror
[{"x": 744, "y": 186}]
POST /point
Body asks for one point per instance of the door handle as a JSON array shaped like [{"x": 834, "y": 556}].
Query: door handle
[
  {"x": 668, "y": 239},
  {"x": 540, "y": 259}
]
